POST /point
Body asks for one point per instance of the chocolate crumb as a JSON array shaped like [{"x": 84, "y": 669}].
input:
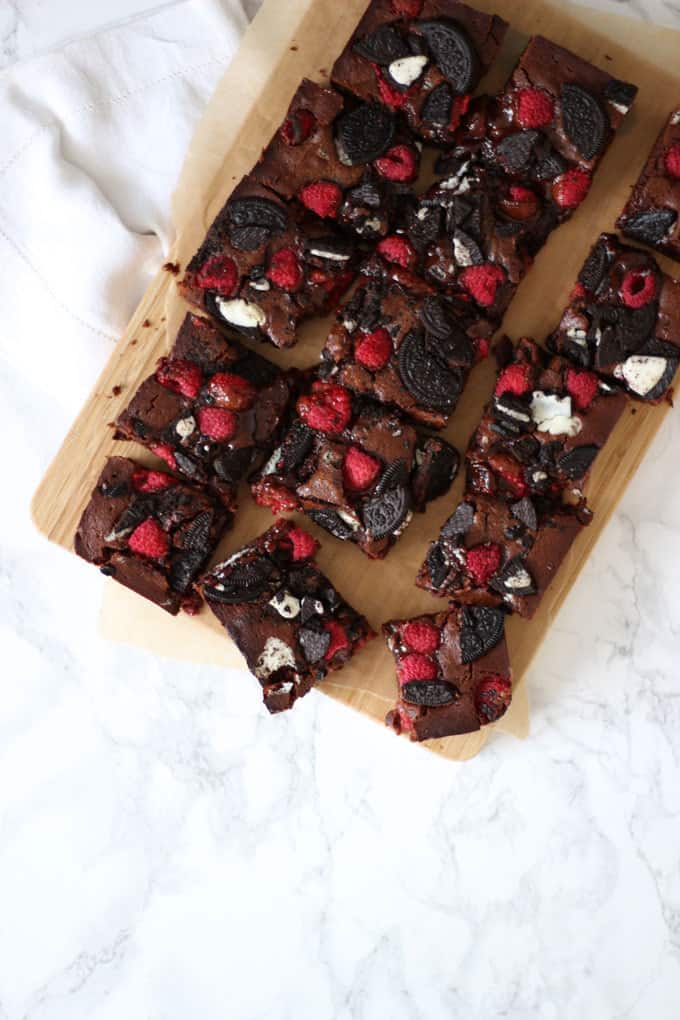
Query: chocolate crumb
[
  {"x": 116, "y": 391},
  {"x": 295, "y": 48},
  {"x": 171, "y": 267},
  {"x": 133, "y": 341},
  {"x": 146, "y": 323}
]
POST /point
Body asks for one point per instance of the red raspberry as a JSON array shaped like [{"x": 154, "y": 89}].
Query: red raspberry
[
  {"x": 390, "y": 96},
  {"x": 285, "y": 270},
  {"x": 373, "y": 350},
  {"x": 482, "y": 282},
  {"x": 459, "y": 107},
  {"x": 180, "y": 376},
  {"x": 399, "y": 163},
  {"x": 233, "y": 391},
  {"x": 397, "y": 249},
  {"x": 405, "y": 724},
  {"x": 217, "y": 423},
  {"x": 482, "y": 562},
  {"x": 534, "y": 108},
  {"x": 511, "y": 475},
  {"x": 165, "y": 452},
  {"x": 359, "y": 470},
  {"x": 304, "y": 546},
  {"x": 298, "y": 127},
  {"x": 570, "y": 188},
  {"x": 408, "y": 8},
  {"x": 416, "y": 667},
  {"x": 483, "y": 346},
  {"x": 322, "y": 197},
  {"x": 672, "y": 161},
  {"x": 276, "y": 497},
  {"x": 518, "y": 193},
  {"x": 218, "y": 273},
  {"x": 328, "y": 407},
  {"x": 492, "y": 697},
  {"x": 151, "y": 481},
  {"x": 582, "y": 387},
  {"x": 421, "y": 636},
  {"x": 515, "y": 379},
  {"x": 578, "y": 291},
  {"x": 638, "y": 288},
  {"x": 149, "y": 539},
  {"x": 339, "y": 639}
]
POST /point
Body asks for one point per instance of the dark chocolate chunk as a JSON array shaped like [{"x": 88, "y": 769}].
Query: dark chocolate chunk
[
  {"x": 651, "y": 225},
  {"x": 482, "y": 629},
  {"x": 385, "y": 513},
  {"x": 424, "y": 376},
  {"x": 243, "y": 583},
  {"x": 437, "y": 107},
  {"x": 431, "y": 693},
  {"x": 585, "y": 122},
  {"x": 364, "y": 133},
  {"x": 382, "y": 46},
  {"x": 453, "y": 53},
  {"x": 515, "y": 151},
  {"x": 314, "y": 643}
]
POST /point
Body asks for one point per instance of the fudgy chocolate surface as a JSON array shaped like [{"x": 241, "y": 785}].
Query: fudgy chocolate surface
[
  {"x": 652, "y": 214},
  {"x": 452, "y": 668},
  {"x": 623, "y": 320},
  {"x": 290, "y": 623},
  {"x": 150, "y": 532},
  {"x": 421, "y": 58},
  {"x": 212, "y": 410}
]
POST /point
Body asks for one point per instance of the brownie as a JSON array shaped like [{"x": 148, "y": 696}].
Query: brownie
[
  {"x": 343, "y": 160},
  {"x": 356, "y": 468},
  {"x": 266, "y": 264},
  {"x": 651, "y": 213},
  {"x": 150, "y": 532},
  {"x": 452, "y": 669},
  {"x": 543, "y": 428},
  {"x": 623, "y": 320},
  {"x": 413, "y": 354},
  {"x": 422, "y": 58},
  {"x": 490, "y": 552},
  {"x": 212, "y": 410},
  {"x": 289, "y": 622}
]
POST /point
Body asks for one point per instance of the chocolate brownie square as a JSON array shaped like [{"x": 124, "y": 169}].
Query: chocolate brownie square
[
  {"x": 422, "y": 58},
  {"x": 452, "y": 670},
  {"x": 412, "y": 352},
  {"x": 290, "y": 623},
  {"x": 151, "y": 532},
  {"x": 212, "y": 410},
  {"x": 623, "y": 320},
  {"x": 267, "y": 264},
  {"x": 356, "y": 468},
  {"x": 651, "y": 213},
  {"x": 494, "y": 553}
]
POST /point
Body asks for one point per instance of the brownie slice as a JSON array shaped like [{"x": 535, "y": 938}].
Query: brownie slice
[
  {"x": 357, "y": 469},
  {"x": 290, "y": 623},
  {"x": 150, "y": 532},
  {"x": 422, "y": 58},
  {"x": 212, "y": 410},
  {"x": 412, "y": 351},
  {"x": 651, "y": 213},
  {"x": 345, "y": 161},
  {"x": 623, "y": 320},
  {"x": 494, "y": 553},
  {"x": 542, "y": 430},
  {"x": 452, "y": 670},
  {"x": 266, "y": 265}
]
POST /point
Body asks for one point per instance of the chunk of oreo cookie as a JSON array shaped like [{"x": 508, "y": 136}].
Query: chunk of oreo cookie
[
  {"x": 251, "y": 222},
  {"x": 651, "y": 225},
  {"x": 585, "y": 122},
  {"x": 577, "y": 462},
  {"x": 460, "y": 521},
  {"x": 437, "y": 107},
  {"x": 244, "y": 582},
  {"x": 314, "y": 643},
  {"x": 364, "y": 134},
  {"x": 385, "y": 513},
  {"x": 331, "y": 522},
  {"x": 515, "y": 151},
  {"x": 429, "y": 693},
  {"x": 453, "y": 53},
  {"x": 424, "y": 376},
  {"x": 438, "y": 565},
  {"x": 382, "y": 46},
  {"x": 482, "y": 629}
]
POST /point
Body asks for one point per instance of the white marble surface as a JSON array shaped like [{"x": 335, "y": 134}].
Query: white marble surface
[{"x": 168, "y": 852}]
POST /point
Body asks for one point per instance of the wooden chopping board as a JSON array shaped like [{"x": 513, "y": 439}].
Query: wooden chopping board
[{"x": 287, "y": 41}]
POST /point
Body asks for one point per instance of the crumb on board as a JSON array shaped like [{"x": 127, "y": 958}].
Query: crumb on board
[
  {"x": 607, "y": 57},
  {"x": 146, "y": 323},
  {"x": 171, "y": 267},
  {"x": 294, "y": 47},
  {"x": 633, "y": 410},
  {"x": 133, "y": 341},
  {"x": 323, "y": 71},
  {"x": 116, "y": 391}
]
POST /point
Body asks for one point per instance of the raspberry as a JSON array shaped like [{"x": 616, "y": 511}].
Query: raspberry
[
  {"x": 518, "y": 193},
  {"x": 492, "y": 698},
  {"x": 218, "y": 273},
  {"x": 149, "y": 539},
  {"x": 233, "y": 391},
  {"x": 359, "y": 470},
  {"x": 534, "y": 108},
  {"x": 151, "y": 481},
  {"x": 339, "y": 639},
  {"x": 482, "y": 282},
  {"x": 483, "y": 346},
  {"x": 304, "y": 546},
  {"x": 582, "y": 387},
  {"x": 416, "y": 667},
  {"x": 276, "y": 497},
  {"x": 165, "y": 452},
  {"x": 408, "y": 8},
  {"x": 373, "y": 349},
  {"x": 672, "y": 161},
  {"x": 328, "y": 407},
  {"x": 570, "y": 188},
  {"x": 459, "y": 107},
  {"x": 405, "y": 724},
  {"x": 390, "y": 96},
  {"x": 298, "y": 127},
  {"x": 397, "y": 249},
  {"x": 578, "y": 291},
  {"x": 482, "y": 562},
  {"x": 398, "y": 164},
  {"x": 284, "y": 270},
  {"x": 515, "y": 379},
  {"x": 322, "y": 197},
  {"x": 217, "y": 423},
  {"x": 421, "y": 636},
  {"x": 511, "y": 475},
  {"x": 180, "y": 376},
  {"x": 638, "y": 288}
]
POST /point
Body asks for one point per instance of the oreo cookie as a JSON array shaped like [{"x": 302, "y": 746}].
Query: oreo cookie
[
  {"x": 651, "y": 225},
  {"x": 244, "y": 582},
  {"x": 482, "y": 628},
  {"x": 452, "y": 52},
  {"x": 364, "y": 134},
  {"x": 585, "y": 122},
  {"x": 251, "y": 222},
  {"x": 382, "y": 46},
  {"x": 385, "y": 513},
  {"x": 424, "y": 376},
  {"x": 428, "y": 693}
]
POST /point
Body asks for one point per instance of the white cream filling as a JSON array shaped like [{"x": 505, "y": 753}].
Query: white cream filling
[
  {"x": 406, "y": 70},
  {"x": 641, "y": 373},
  {"x": 553, "y": 415},
  {"x": 241, "y": 313}
]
